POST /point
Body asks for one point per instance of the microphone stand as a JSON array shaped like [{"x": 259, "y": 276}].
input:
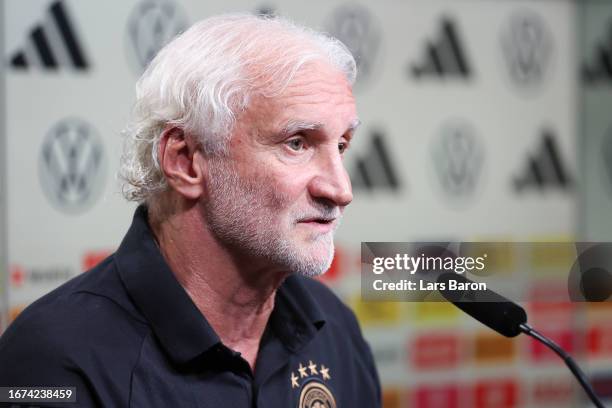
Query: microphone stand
[{"x": 569, "y": 361}]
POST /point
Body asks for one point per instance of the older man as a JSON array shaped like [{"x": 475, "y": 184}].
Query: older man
[{"x": 235, "y": 154}]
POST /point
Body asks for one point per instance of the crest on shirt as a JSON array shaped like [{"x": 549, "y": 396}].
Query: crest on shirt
[{"x": 310, "y": 380}]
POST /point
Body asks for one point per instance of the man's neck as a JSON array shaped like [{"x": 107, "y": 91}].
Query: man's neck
[{"x": 236, "y": 297}]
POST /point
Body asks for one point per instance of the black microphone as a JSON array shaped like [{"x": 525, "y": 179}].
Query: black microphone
[
  {"x": 590, "y": 279},
  {"x": 486, "y": 306},
  {"x": 506, "y": 318}
]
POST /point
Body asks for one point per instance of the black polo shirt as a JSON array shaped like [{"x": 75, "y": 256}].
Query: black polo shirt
[{"x": 126, "y": 334}]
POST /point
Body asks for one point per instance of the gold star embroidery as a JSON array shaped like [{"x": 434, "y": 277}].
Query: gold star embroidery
[
  {"x": 294, "y": 382},
  {"x": 325, "y": 372},
  {"x": 313, "y": 368},
  {"x": 302, "y": 371}
]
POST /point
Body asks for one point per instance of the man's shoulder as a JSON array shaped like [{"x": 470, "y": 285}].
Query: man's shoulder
[
  {"x": 88, "y": 317},
  {"x": 89, "y": 298}
]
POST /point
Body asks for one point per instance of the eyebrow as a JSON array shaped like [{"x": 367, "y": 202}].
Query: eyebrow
[
  {"x": 296, "y": 126},
  {"x": 354, "y": 125}
]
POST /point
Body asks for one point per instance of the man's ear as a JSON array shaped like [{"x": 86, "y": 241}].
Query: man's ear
[{"x": 182, "y": 163}]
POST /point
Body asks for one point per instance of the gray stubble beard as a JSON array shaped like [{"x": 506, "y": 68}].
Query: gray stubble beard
[{"x": 241, "y": 217}]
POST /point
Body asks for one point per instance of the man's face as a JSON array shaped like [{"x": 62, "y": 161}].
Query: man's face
[{"x": 280, "y": 194}]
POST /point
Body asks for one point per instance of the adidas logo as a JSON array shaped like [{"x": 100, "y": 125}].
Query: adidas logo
[
  {"x": 600, "y": 68},
  {"x": 376, "y": 171},
  {"x": 444, "y": 57},
  {"x": 544, "y": 169},
  {"x": 51, "y": 44}
]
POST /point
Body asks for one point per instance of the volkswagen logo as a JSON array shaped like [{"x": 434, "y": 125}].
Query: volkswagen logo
[
  {"x": 527, "y": 47},
  {"x": 152, "y": 24},
  {"x": 457, "y": 155},
  {"x": 72, "y": 166},
  {"x": 357, "y": 28}
]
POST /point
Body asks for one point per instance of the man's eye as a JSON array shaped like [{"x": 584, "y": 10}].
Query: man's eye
[
  {"x": 296, "y": 144},
  {"x": 342, "y": 147}
]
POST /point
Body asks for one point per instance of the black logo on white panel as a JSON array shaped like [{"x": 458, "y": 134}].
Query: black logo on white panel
[
  {"x": 527, "y": 47},
  {"x": 457, "y": 155},
  {"x": 544, "y": 168},
  {"x": 52, "y": 44},
  {"x": 375, "y": 171},
  {"x": 598, "y": 68},
  {"x": 445, "y": 56},
  {"x": 72, "y": 165},
  {"x": 359, "y": 30},
  {"x": 152, "y": 24}
]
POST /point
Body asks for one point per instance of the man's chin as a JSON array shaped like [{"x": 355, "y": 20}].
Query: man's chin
[{"x": 315, "y": 263}]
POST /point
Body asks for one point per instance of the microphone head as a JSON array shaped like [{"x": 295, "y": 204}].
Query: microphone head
[
  {"x": 596, "y": 284},
  {"x": 486, "y": 306},
  {"x": 590, "y": 279}
]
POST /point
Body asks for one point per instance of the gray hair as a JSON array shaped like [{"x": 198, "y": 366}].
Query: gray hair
[{"x": 205, "y": 76}]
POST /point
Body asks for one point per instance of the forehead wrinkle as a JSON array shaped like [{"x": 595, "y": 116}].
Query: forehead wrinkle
[
  {"x": 302, "y": 84},
  {"x": 293, "y": 107},
  {"x": 317, "y": 91},
  {"x": 308, "y": 88},
  {"x": 315, "y": 97},
  {"x": 295, "y": 125}
]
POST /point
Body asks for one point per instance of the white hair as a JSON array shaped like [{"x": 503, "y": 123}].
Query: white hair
[{"x": 205, "y": 76}]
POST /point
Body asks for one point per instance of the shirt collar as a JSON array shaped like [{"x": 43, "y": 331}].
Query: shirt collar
[
  {"x": 297, "y": 316},
  {"x": 182, "y": 330}
]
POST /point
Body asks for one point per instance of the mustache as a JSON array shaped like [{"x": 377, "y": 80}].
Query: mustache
[{"x": 324, "y": 212}]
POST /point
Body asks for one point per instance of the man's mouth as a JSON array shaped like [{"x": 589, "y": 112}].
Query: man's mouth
[
  {"x": 321, "y": 224},
  {"x": 317, "y": 220}
]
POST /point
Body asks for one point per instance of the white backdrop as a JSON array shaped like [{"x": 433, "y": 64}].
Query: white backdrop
[{"x": 470, "y": 133}]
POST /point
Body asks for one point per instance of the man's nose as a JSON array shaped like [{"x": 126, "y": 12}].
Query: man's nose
[{"x": 331, "y": 181}]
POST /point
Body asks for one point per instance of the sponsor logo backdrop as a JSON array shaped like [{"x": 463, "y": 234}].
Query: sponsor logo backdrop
[{"x": 470, "y": 133}]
